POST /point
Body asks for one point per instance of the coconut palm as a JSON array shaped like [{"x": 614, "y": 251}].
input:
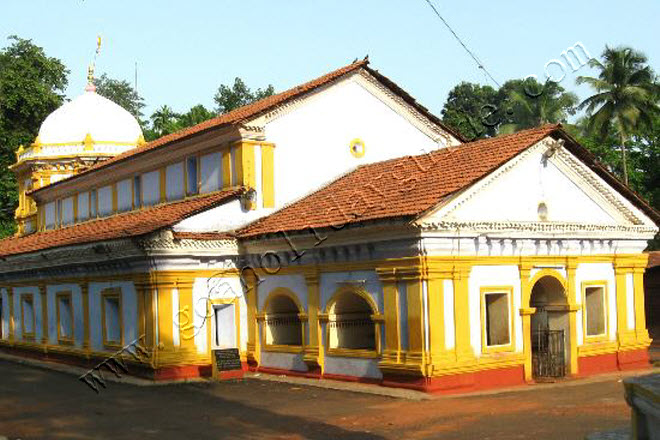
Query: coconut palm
[
  {"x": 626, "y": 96},
  {"x": 530, "y": 104}
]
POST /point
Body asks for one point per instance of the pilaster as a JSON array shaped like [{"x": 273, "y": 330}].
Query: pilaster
[{"x": 314, "y": 350}]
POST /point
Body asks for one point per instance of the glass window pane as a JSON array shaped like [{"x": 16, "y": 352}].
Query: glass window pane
[
  {"x": 497, "y": 319},
  {"x": 191, "y": 173},
  {"x": 595, "y": 310}
]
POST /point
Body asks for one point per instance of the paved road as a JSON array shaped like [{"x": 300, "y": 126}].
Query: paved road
[{"x": 36, "y": 403}]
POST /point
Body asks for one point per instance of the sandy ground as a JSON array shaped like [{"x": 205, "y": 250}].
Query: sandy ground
[{"x": 37, "y": 403}]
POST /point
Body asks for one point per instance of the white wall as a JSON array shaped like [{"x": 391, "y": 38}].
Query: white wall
[
  {"x": 312, "y": 142},
  {"x": 151, "y": 188},
  {"x": 596, "y": 272},
  {"x": 490, "y": 276},
  {"x": 515, "y": 196},
  {"x": 174, "y": 181},
  {"x": 215, "y": 288}
]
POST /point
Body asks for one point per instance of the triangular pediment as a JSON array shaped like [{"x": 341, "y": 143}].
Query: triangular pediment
[{"x": 546, "y": 184}]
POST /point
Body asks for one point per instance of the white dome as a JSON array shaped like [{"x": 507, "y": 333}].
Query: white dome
[{"x": 90, "y": 113}]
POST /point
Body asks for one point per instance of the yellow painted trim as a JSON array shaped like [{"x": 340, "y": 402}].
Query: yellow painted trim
[
  {"x": 463, "y": 346},
  {"x": 263, "y": 317},
  {"x": 61, "y": 338},
  {"x": 110, "y": 293},
  {"x": 511, "y": 346},
  {"x": 75, "y": 208},
  {"x": 376, "y": 317},
  {"x": 237, "y": 318},
  {"x": 43, "y": 292},
  {"x": 314, "y": 350},
  {"x": 245, "y": 165},
  {"x": 84, "y": 292},
  {"x": 268, "y": 176},
  {"x": 357, "y": 148},
  {"x": 12, "y": 313},
  {"x": 115, "y": 198},
  {"x": 391, "y": 310},
  {"x": 640, "y": 315},
  {"x": 605, "y": 335},
  {"x": 27, "y": 298},
  {"x": 226, "y": 167}
]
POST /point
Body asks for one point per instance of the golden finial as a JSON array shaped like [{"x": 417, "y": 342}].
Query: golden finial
[{"x": 92, "y": 66}]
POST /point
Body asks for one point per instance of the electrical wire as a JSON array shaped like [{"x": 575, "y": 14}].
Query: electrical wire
[{"x": 472, "y": 55}]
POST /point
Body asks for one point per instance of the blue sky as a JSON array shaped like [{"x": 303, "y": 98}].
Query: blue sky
[{"x": 186, "y": 49}]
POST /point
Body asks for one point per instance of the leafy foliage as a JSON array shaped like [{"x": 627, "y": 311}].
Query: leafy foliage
[
  {"x": 31, "y": 87},
  {"x": 230, "y": 98},
  {"x": 121, "y": 92},
  {"x": 625, "y": 99},
  {"x": 481, "y": 111}
]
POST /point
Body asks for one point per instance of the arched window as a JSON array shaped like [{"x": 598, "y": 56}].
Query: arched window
[
  {"x": 351, "y": 325},
  {"x": 282, "y": 321}
]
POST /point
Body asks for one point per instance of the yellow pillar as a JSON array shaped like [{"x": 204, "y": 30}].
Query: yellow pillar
[
  {"x": 415, "y": 356},
  {"x": 44, "y": 314},
  {"x": 253, "y": 343},
  {"x": 268, "y": 175},
  {"x": 572, "y": 316},
  {"x": 226, "y": 167},
  {"x": 12, "y": 326},
  {"x": 392, "y": 350},
  {"x": 640, "y": 316},
  {"x": 186, "y": 314},
  {"x": 436, "y": 305},
  {"x": 624, "y": 336},
  {"x": 526, "y": 313},
  {"x": 314, "y": 353},
  {"x": 84, "y": 293},
  {"x": 165, "y": 318},
  {"x": 464, "y": 351}
]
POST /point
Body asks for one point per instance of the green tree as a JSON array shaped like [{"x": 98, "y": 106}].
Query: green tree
[
  {"x": 163, "y": 121},
  {"x": 32, "y": 86},
  {"x": 469, "y": 110},
  {"x": 194, "y": 116},
  {"x": 230, "y": 98},
  {"x": 626, "y": 98},
  {"x": 121, "y": 92},
  {"x": 527, "y": 103}
]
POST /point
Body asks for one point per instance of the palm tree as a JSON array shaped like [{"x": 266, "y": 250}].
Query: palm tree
[
  {"x": 163, "y": 120},
  {"x": 530, "y": 104},
  {"x": 626, "y": 96}
]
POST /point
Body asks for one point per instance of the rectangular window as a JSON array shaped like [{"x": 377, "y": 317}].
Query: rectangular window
[
  {"x": 210, "y": 167},
  {"x": 497, "y": 318},
  {"x": 111, "y": 301},
  {"x": 27, "y": 315},
  {"x": 83, "y": 207},
  {"x": 595, "y": 310},
  {"x": 58, "y": 212},
  {"x": 64, "y": 317},
  {"x": 191, "y": 176},
  {"x": 93, "y": 204},
  {"x": 137, "y": 192}
]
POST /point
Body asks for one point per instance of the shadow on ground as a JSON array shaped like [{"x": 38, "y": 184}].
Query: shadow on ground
[{"x": 36, "y": 403}]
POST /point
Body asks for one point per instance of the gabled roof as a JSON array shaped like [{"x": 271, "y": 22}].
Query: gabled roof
[
  {"x": 409, "y": 186},
  {"x": 250, "y": 111},
  {"x": 130, "y": 224}
]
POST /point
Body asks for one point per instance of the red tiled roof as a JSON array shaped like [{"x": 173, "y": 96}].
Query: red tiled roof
[
  {"x": 411, "y": 185},
  {"x": 125, "y": 225},
  {"x": 402, "y": 187},
  {"x": 257, "y": 108}
]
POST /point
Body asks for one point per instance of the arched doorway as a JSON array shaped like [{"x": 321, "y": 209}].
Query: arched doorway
[
  {"x": 351, "y": 325},
  {"x": 550, "y": 328}
]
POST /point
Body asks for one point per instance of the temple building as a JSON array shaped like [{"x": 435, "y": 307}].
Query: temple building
[{"x": 336, "y": 230}]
